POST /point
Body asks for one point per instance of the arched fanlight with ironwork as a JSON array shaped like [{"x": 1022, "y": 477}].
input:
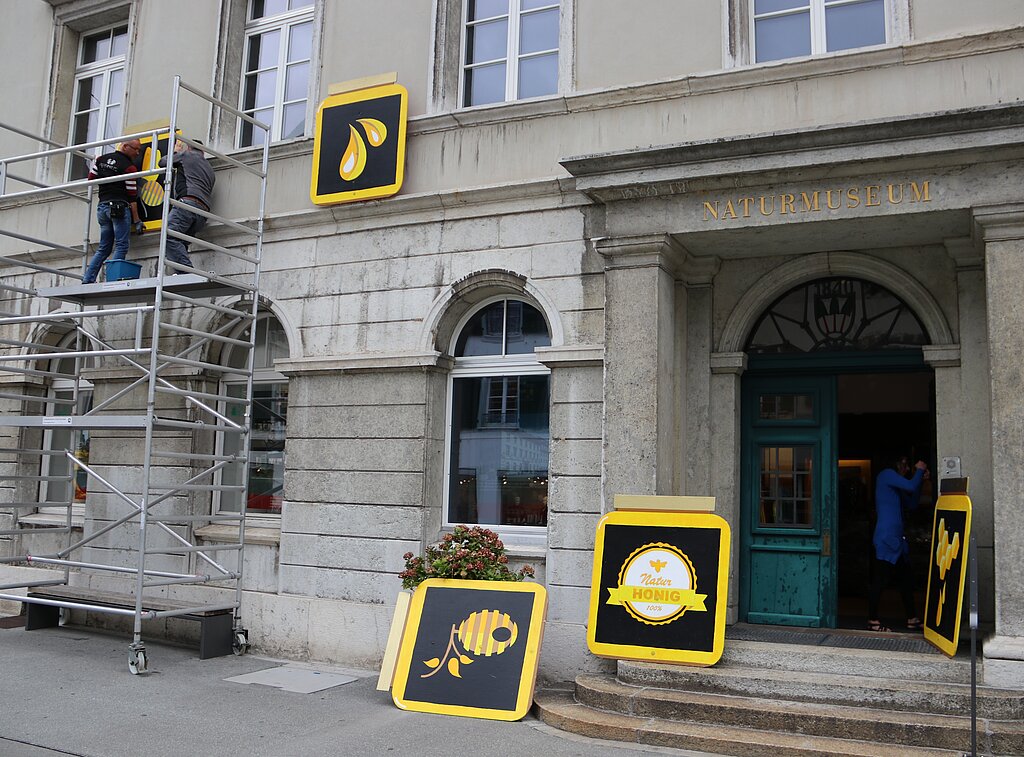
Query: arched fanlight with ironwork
[{"x": 836, "y": 314}]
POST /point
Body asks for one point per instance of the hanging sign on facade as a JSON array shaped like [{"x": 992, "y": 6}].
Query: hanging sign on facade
[
  {"x": 947, "y": 571},
  {"x": 659, "y": 587},
  {"x": 471, "y": 648},
  {"x": 151, "y": 188},
  {"x": 359, "y": 141}
]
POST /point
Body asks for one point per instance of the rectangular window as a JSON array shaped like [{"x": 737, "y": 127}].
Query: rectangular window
[
  {"x": 266, "y": 453},
  {"x": 510, "y": 50},
  {"x": 793, "y": 28},
  {"x": 276, "y": 69},
  {"x": 55, "y": 467},
  {"x": 98, "y": 91},
  {"x": 499, "y": 450},
  {"x": 787, "y": 487}
]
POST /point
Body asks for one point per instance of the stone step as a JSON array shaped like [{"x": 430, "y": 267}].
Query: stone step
[
  {"x": 918, "y": 666},
  {"x": 882, "y": 726},
  {"x": 937, "y": 697},
  {"x": 559, "y": 710}
]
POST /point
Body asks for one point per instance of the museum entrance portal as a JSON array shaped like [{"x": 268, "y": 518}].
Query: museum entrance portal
[{"x": 818, "y": 425}]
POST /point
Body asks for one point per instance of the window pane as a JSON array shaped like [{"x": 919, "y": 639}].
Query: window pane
[
  {"x": 96, "y": 47},
  {"x": 486, "y": 9},
  {"x": 260, "y": 90},
  {"x": 263, "y": 50},
  {"x": 787, "y": 487},
  {"x": 783, "y": 37},
  {"x": 89, "y": 93},
  {"x": 485, "y": 84},
  {"x": 499, "y": 463},
  {"x": 296, "y": 82},
  {"x": 115, "y": 86},
  {"x": 300, "y": 41},
  {"x": 296, "y": 4},
  {"x": 526, "y": 329},
  {"x": 527, "y": 5},
  {"x": 538, "y": 76},
  {"x": 264, "y": 8},
  {"x": 770, "y": 6},
  {"x": 786, "y": 407},
  {"x": 119, "y": 44},
  {"x": 293, "y": 121},
  {"x": 539, "y": 31},
  {"x": 252, "y": 135},
  {"x": 267, "y": 448},
  {"x": 857, "y": 25},
  {"x": 487, "y": 41},
  {"x": 482, "y": 335},
  {"x": 112, "y": 126}
]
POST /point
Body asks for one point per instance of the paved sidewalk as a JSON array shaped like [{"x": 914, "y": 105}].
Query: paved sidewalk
[{"x": 67, "y": 691}]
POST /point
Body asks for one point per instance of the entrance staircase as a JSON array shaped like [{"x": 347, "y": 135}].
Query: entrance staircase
[{"x": 797, "y": 699}]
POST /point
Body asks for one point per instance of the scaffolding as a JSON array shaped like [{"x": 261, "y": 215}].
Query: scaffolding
[{"x": 181, "y": 440}]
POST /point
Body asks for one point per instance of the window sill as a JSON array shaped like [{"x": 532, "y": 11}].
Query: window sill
[
  {"x": 229, "y": 535},
  {"x": 48, "y": 520}
]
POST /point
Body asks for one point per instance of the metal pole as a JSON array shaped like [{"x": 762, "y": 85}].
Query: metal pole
[{"x": 973, "y": 562}]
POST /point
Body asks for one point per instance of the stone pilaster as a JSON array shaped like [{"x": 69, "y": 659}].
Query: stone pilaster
[{"x": 1001, "y": 229}]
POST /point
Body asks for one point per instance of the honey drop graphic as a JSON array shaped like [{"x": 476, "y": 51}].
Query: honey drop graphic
[
  {"x": 354, "y": 160},
  {"x": 376, "y": 131}
]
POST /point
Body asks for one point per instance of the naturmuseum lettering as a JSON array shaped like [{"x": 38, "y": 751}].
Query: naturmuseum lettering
[{"x": 794, "y": 203}]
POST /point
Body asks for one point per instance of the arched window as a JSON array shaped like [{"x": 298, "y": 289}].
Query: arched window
[
  {"x": 498, "y": 438},
  {"x": 269, "y": 421},
  {"x": 60, "y": 485},
  {"x": 836, "y": 314}
]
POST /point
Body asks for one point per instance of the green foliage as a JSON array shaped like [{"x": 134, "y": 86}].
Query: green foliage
[{"x": 472, "y": 553}]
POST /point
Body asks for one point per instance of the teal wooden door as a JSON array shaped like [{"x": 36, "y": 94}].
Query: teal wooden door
[{"x": 788, "y": 572}]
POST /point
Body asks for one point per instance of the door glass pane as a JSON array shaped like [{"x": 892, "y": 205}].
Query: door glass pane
[
  {"x": 783, "y": 37},
  {"x": 786, "y": 407},
  {"x": 855, "y": 25},
  {"x": 499, "y": 450},
  {"x": 786, "y": 487}
]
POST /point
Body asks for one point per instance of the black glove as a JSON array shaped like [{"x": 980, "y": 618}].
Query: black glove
[{"x": 138, "y": 227}]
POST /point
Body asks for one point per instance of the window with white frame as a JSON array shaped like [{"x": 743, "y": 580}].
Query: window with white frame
[
  {"x": 276, "y": 69},
  {"x": 510, "y": 50},
  {"x": 99, "y": 90},
  {"x": 793, "y": 28},
  {"x": 498, "y": 435},
  {"x": 265, "y": 475},
  {"x": 62, "y": 482}
]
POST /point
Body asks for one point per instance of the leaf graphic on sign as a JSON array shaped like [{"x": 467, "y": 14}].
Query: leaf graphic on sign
[
  {"x": 433, "y": 662},
  {"x": 453, "y": 667}
]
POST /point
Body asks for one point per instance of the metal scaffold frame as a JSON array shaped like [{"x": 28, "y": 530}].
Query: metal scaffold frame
[{"x": 151, "y": 330}]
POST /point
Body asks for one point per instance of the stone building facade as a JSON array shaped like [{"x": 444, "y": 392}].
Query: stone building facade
[{"x": 679, "y": 179}]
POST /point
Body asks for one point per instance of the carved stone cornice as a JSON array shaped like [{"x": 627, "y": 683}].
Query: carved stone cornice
[
  {"x": 728, "y": 362},
  {"x": 1000, "y": 223},
  {"x": 942, "y": 355},
  {"x": 662, "y": 250},
  {"x": 967, "y": 253}
]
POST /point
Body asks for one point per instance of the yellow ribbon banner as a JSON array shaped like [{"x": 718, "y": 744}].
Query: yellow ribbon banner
[{"x": 687, "y": 598}]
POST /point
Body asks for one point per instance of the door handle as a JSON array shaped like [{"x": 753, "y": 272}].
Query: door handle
[{"x": 826, "y": 543}]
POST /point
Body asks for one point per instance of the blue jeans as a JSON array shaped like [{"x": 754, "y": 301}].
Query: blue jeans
[
  {"x": 183, "y": 222},
  {"x": 114, "y": 234}
]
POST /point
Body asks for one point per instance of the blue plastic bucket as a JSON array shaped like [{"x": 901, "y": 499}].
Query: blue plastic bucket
[{"x": 122, "y": 270}]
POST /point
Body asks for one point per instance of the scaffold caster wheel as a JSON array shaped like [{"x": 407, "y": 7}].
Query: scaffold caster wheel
[
  {"x": 240, "y": 644},
  {"x": 137, "y": 660}
]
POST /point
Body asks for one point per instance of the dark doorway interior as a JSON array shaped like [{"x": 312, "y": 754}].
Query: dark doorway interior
[{"x": 880, "y": 414}]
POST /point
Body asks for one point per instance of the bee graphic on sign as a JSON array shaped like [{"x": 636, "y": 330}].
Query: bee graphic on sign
[{"x": 488, "y": 632}]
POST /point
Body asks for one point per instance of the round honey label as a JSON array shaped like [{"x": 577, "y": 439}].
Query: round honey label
[{"x": 657, "y": 584}]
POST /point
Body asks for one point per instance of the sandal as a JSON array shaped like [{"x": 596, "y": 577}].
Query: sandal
[
  {"x": 874, "y": 625},
  {"x": 915, "y": 624}
]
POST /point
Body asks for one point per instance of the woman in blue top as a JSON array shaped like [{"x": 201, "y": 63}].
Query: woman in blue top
[{"x": 893, "y": 492}]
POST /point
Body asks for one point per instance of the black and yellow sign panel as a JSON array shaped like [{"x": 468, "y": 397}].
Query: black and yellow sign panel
[
  {"x": 659, "y": 587},
  {"x": 471, "y": 648},
  {"x": 359, "y": 145},
  {"x": 151, "y": 188},
  {"x": 947, "y": 571}
]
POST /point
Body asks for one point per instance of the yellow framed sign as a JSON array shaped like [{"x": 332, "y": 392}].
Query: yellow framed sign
[
  {"x": 659, "y": 587},
  {"x": 471, "y": 648},
  {"x": 151, "y": 188},
  {"x": 947, "y": 571},
  {"x": 359, "y": 145}
]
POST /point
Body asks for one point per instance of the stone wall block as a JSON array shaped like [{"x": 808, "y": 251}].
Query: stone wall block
[
  {"x": 574, "y": 494},
  {"x": 333, "y": 519},
  {"x": 371, "y": 422},
  {"x": 383, "y": 488},
  {"x": 572, "y": 530},
  {"x": 471, "y": 234},
  {"x": 398, "y": 455},
  {"x": 523, "y": 229},
  {"x": 568, "y": 604},
  {"x": 576, "y": 456},
  {"x": 381, "y": 555},
  {"x": 331, "y": 583},
  {"x": 576, "y": 420},
  {"x": 569, "y": 567}
]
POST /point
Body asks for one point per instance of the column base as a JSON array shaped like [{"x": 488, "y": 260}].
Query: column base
[{"x": 1004, "y": 662}]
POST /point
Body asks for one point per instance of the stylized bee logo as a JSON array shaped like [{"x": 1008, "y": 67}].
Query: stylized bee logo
[
  {"x": 486, "y": 633},
  {"x": 658, "y": 565}
]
